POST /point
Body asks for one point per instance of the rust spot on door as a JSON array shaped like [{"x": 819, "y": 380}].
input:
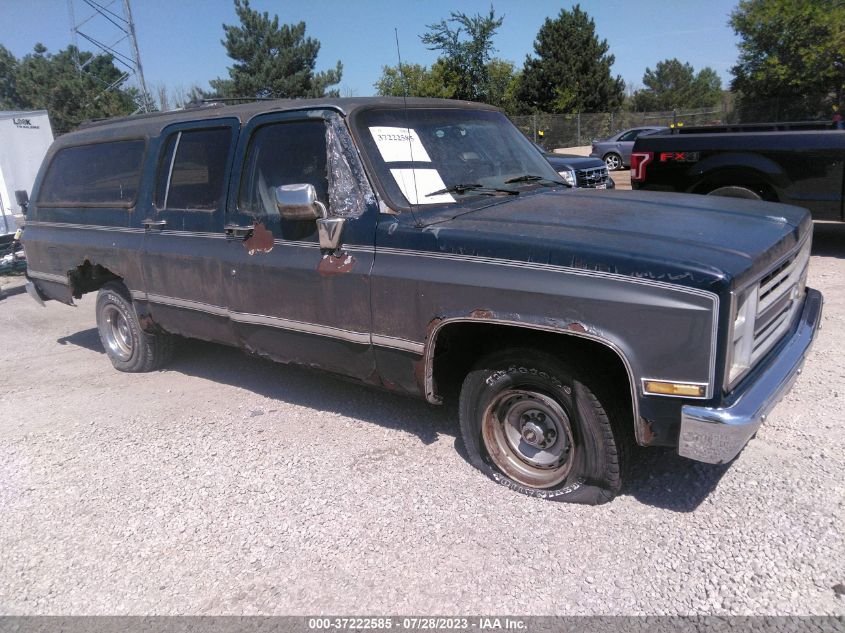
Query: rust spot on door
[
  {"x": 331, "y": 264},
  {"x": 260, "y": 240},
  {"x": 576, "y": 327},
  {"x": 481, "y": 314}
]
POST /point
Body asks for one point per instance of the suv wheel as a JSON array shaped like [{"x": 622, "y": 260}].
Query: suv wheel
[
  {"x": 534, "y": 425},
  {"x": 128, "y": 347}
]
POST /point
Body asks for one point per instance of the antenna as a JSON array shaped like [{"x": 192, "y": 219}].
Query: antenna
[
  {"x": 111, "y": 30},
  {"x": 407, "y": 127}
]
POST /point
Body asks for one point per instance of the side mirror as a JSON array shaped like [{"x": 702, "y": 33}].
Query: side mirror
[
  {"x": 22, "y": 198},
  {"x": 299, "y": 202}
]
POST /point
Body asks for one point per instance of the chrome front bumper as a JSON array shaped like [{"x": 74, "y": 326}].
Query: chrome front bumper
[{"x": 717, "y": 435}]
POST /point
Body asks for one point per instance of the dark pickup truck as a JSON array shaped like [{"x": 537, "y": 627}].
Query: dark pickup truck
[
  {"x": 795, "y": 163},
  {"x": 427, "y": 248}
]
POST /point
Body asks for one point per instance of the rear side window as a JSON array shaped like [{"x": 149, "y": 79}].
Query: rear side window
[
  {"x": 99, "y": 174},
  {"x": 192, "y": 169},
  {"x": 630, "y": 136}
]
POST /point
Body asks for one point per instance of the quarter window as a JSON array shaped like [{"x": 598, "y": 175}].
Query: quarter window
[
  {"x": 191, "y": 174},
  {"x": 99, "y": 174}
]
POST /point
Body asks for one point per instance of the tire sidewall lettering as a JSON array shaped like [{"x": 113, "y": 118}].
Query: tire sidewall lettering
[
  {"x": 120, "y": 302},
  {"x": 500, "y": 379},
  {"x": 510, "y": 484}
]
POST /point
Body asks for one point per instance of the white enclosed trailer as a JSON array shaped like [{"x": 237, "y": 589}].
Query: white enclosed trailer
[{"x": 25, "y": 138}]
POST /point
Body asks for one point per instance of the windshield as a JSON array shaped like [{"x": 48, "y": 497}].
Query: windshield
[{"x": 441, "y": 156}]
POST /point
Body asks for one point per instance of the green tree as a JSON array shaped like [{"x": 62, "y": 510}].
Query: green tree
[
  {"x": 419, "y": 80},
  {"x": 272, "y": 60},
  {"x": 571, "y": 70},
  {"x": 466, "y": 47},
  {"x": 791, "y": 58},
  {"x": 503, "y": 85},
  {"x": 8, "y": 70},
  {"x": 54, "y": 82},
  {"x": 673, "y": 84}
]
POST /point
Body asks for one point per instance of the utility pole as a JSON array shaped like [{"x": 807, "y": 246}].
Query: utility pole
[{"x": 111, "y": 30}]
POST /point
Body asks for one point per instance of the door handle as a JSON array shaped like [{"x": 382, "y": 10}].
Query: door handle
[
  {"x": 149, "y": 225},
  {"x": 233, "y": 231}
]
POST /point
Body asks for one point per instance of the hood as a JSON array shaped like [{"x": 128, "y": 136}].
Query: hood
[
  {"x": 564, "y": 161},
  {"x": 706, "y": 242}
]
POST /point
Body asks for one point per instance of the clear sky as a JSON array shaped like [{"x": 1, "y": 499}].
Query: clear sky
[{"x": 179, "y": 40}]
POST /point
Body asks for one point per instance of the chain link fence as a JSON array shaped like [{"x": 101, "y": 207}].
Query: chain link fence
[{"x": 573, "y": 130}]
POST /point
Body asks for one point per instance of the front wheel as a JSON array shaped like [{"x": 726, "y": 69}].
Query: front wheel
[
  {"x": 128, "y": 347},
  {"x": 536, "y": 426}
]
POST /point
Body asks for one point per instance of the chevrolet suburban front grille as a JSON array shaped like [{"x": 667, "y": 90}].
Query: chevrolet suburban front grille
[
  {"x": 592, "y": 177},
  {"x": 779, "y": 296}
]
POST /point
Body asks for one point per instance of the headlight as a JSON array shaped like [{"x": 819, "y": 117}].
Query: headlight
[
  {"x": 568, "y": 176},
  {"x": 741, "y": 344}
]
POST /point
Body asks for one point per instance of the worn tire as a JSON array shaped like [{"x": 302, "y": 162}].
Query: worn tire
[
  {"x": 613, "y": 161},
  {"x": 597, "y": 455},
  {"x": 128, "y": 347},
  {"x": 735, "y": 191}
]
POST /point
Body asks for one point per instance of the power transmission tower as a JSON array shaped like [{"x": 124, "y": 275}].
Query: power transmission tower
[{"x": 108, "y": 25}]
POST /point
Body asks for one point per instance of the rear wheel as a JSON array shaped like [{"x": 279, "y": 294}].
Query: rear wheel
[
  {"x": 536, "y": 426},
  {"x": 128, "y": 347},
  {"x": 613, "y": 161}
]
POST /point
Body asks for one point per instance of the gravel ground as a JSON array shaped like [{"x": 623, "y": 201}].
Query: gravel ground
[{"x": 228, "y": 484}]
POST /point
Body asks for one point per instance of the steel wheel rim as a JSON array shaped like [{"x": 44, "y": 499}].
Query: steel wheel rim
[
  {"x": 118, "y": 333},
  {"x": 612, "y": 162},
  {"x": 528, "y": 435}
]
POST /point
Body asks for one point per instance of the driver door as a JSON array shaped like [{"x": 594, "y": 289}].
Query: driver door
[{"x": 287, "y": 298}]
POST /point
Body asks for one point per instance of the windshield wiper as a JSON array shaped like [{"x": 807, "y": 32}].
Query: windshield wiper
[
  {"x": 474, "y": 186},
  {"x": 537, "y": 179}
]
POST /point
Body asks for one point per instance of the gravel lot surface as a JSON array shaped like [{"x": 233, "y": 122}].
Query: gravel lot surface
[{"x": 228, "y": 484}]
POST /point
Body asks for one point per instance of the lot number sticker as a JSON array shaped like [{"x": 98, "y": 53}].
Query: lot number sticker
[{"x": 399, "y": 144}]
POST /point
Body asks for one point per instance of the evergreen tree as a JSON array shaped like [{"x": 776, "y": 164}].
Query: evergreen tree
[
  {"x": 571, "y": 70},
  {"x": 54, "y": 82},
  {"x": 272, "y": 60},
  {"x": 673, "y": 84},
  {"x": 8, "y": 70}
]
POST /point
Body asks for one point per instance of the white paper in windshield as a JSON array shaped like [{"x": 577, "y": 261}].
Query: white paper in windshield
[
  {"x": 399, "y": 144},
  {"x": 417, "y": 183}
]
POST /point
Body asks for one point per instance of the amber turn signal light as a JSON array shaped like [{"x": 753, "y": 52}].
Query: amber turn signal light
[{"x": 674, "y": 389}]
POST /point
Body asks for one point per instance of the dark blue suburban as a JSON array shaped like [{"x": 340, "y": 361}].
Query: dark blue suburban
[{"x": 427, "y": 248}]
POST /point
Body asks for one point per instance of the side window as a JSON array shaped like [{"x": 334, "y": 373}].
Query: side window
[
  {"x": 283, "y": 154},
  {"x": 192, "y": 169},
  {"x": 629, "y": 136},
  {"x": 98, "y": 174}
]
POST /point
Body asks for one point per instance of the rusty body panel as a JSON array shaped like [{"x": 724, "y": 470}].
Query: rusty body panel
[
  {"x": 260, "y": 240},
  {"x": 336, "y": 264}
]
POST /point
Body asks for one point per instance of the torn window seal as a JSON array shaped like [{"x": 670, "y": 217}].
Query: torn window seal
[{"x": 349, "y": 189}]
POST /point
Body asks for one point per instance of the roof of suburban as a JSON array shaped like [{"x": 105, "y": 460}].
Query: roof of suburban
[{"x": 151, "y": 124}]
